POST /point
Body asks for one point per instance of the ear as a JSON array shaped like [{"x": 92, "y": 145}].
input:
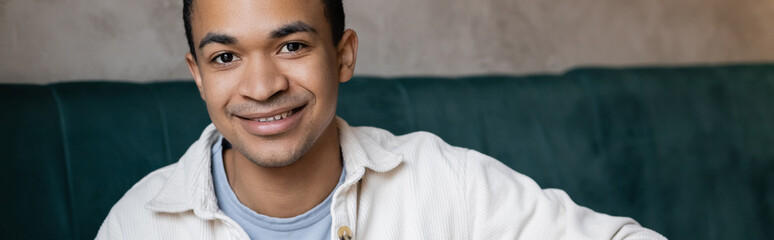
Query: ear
[
  {"x": 347, "y": 55},
  {"x": 193, "y": 66}
]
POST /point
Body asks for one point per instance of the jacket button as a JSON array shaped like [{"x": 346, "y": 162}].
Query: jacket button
[{"x": 345, "y": 233}]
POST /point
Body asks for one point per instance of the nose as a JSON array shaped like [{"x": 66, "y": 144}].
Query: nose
[{"x": 262, "y": 80}]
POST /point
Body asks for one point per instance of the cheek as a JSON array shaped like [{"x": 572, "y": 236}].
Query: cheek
[
  {"x": 316, "y": 73},
  {"x": 218, "y": 89}
]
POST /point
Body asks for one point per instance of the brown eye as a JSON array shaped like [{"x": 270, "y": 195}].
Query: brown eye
[
  {"x": 292, "y": 47},
  {"x": 224, "y": 58}
]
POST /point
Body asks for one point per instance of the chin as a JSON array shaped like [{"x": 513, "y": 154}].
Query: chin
[
  {"x": 273, "y": 153},
  {"x": 272, "y": 163}
]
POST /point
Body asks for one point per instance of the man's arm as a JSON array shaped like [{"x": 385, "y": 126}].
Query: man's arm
[
  {"x": 504, "y": 204},
  {"x": 109, "y": 229}
]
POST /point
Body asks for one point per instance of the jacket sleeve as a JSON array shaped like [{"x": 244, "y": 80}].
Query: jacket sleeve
[
  {"x": 110, "y": 229},
  {"x": 504, "y": 204}
]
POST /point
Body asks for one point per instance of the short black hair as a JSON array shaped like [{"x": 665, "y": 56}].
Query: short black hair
[{"x": 334, "y": 13}]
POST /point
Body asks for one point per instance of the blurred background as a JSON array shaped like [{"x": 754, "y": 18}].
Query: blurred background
[{"x": 43, "y": 41}]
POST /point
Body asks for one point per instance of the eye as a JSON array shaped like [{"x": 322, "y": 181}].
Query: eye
[
  {"x": 292, "y": 47},
  {"x": 225, "y": 58}
]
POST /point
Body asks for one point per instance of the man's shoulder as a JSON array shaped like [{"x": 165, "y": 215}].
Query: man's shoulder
[
  {"x": 422, "y": 150},
  {"x": 424, "y": 153},
  {"x": 130, "y": 211},
  {"x": 418, "y": 140},
  {"x": 147, "y": 188},
  {"x": 144, "y": 190}
]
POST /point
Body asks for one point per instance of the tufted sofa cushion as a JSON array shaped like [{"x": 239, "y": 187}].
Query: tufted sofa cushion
[{"x": 688, "y": 152}]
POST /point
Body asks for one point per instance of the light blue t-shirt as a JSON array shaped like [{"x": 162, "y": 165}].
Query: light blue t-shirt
[{"x": 314, "y": 224}]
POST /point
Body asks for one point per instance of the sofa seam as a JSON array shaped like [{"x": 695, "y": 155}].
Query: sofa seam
[
  {"x": 164, "y": 125},
  {"x": 407, "y": 99},
  {"x": 481, "y": 135},
  {"x": 68, "y": 169}
]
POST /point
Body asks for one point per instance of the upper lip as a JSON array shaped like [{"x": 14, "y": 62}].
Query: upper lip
[{"x": 268, "y": 114}]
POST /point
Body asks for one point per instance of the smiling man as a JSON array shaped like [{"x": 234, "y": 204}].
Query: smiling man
[{"x": 276, "y": 163}]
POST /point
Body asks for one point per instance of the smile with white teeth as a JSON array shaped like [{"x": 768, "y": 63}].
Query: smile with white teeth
[{"x": 276, "y": 117}]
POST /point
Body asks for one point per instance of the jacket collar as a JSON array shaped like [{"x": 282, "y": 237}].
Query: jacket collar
[{"x": 189, "y": 186}]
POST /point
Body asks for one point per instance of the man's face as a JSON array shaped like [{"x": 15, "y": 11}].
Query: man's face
[{"x": 269, "y": 74}]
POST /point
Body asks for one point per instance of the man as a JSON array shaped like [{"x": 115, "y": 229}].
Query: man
[{"x": 278, "y": 164}]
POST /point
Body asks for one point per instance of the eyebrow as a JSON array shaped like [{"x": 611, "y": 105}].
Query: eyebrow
[
  {"x": 281, "y": 32},
  {"x": 291, "y": 28},
  {"x": 217, "y": 38}
]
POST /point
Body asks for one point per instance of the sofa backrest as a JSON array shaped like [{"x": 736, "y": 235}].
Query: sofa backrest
[{"x": 688, "y": 152}]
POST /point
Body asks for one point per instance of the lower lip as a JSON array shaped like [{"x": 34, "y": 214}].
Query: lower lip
[{"x": 274, "y": 127}]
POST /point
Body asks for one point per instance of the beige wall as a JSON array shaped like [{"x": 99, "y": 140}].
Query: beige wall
[{"x": 143, "y": 40}]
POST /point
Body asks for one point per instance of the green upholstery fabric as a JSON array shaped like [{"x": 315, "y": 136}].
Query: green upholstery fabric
[
  {"x": 688, "y": 152},
  {"x": 33, "y": 177}
]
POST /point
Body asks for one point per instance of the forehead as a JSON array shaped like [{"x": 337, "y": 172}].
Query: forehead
[{"x": 254, "y": 16}]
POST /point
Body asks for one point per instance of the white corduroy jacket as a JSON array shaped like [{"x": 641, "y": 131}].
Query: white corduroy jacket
[{"x": 413, "y": 186}]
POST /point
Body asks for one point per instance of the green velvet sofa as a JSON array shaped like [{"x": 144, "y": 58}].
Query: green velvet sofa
[{"x": 686, "y": 151}]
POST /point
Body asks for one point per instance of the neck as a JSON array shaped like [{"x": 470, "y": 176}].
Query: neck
[{"x": 292, "y": 190}]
